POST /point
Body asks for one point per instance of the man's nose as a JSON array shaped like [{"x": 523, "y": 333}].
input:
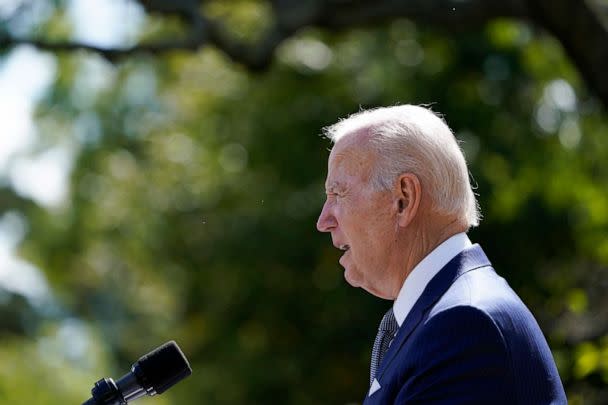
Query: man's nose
[{"x": 326, "y": 221}]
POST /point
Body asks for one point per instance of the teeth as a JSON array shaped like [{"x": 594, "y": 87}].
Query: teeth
[{"x": 344, "y": 247}]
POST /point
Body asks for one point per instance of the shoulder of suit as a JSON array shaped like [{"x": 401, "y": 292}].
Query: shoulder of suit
[
  {"x": 482, "y": 289},
  {"x": 466, "y": 322}
]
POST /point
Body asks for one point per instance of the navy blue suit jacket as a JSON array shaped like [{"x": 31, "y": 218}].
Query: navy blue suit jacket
[{"x": 469, "y": 339}]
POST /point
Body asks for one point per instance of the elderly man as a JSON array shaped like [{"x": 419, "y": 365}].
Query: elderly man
[{"x": 399, "y": 204}]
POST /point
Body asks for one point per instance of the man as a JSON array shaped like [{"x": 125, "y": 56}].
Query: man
[{"x": 399, "y": 204}]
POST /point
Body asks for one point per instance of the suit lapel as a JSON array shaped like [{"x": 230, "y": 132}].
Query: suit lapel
[{"x": 469, "y": 259}]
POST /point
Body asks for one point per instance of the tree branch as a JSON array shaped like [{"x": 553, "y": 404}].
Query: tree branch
[
  {"x": 575, "y": 23},
  {"x": 445, "y": 14},
  {"x": 255, "y": 57},
  {"x": 582, "y": 33},
  {"x": 10, "y": 200},
  {"x": 112, "y": 54}
]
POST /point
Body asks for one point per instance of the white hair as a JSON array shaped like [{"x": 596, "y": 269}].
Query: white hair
[{"x": 414, "y": 139}]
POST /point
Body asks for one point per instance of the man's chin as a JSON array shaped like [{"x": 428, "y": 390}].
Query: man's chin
[
  {"x": 357, "y": 282},
  {"x": 352, "y": 279}
]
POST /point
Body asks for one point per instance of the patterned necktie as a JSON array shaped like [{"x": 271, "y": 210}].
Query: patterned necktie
[{"x": 386, "y": 333}]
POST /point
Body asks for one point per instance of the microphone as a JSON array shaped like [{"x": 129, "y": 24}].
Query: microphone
[{"x": 152, "y": 374}]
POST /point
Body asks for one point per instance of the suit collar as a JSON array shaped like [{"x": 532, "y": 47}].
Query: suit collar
[
  {"x": 469, "y": 259},
  {"x": 423, "y": 273}
]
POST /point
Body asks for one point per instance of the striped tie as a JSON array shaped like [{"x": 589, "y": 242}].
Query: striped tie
[{"x": 386, "y": 332}]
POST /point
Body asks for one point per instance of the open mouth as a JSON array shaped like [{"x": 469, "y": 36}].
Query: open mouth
[{"x": 345, "y": 249}]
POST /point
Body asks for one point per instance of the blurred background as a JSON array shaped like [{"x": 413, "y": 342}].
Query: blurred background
[{"x": 162, "y": 168}]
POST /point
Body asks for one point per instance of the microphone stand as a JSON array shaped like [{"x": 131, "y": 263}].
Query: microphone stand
[
  {"x": 152, "y": 374},
  {"x": 106, "y": 392}
]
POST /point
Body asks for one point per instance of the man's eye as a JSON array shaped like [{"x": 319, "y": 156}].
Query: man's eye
[{"x": 335, "y": 195}]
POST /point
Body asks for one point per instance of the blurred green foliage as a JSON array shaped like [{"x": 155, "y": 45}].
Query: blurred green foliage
[{"x": 195, "y": 191}]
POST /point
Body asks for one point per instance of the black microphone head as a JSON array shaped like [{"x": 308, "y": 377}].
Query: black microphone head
[{"x": 162, "y": 368}]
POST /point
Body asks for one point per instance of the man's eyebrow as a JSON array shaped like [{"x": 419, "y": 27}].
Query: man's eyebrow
[{"x": 334, "y": 186}]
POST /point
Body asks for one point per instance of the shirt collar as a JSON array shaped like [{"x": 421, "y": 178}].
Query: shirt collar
[{"x": 423, "y": 272}]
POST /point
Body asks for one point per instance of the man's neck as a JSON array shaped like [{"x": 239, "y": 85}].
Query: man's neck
[{"x": 423, "y": 241}]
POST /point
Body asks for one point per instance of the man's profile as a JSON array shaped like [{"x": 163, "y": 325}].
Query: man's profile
[{"x": 399, "y": 204}]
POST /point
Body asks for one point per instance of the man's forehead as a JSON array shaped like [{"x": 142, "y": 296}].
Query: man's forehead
[
  {"x": 353, "y": 151},
  {"x": 359, "y": 140},
  {"x": 349, "y": 160}
]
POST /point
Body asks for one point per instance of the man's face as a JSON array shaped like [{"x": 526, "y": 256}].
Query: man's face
[{"x": 360, "y": 219}]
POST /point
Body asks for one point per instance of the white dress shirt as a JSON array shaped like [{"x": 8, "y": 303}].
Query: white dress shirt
[{"x": 416, "y": 281}]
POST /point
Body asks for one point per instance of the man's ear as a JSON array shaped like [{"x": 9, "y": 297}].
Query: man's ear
[{"x": 408, "y": 195}]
